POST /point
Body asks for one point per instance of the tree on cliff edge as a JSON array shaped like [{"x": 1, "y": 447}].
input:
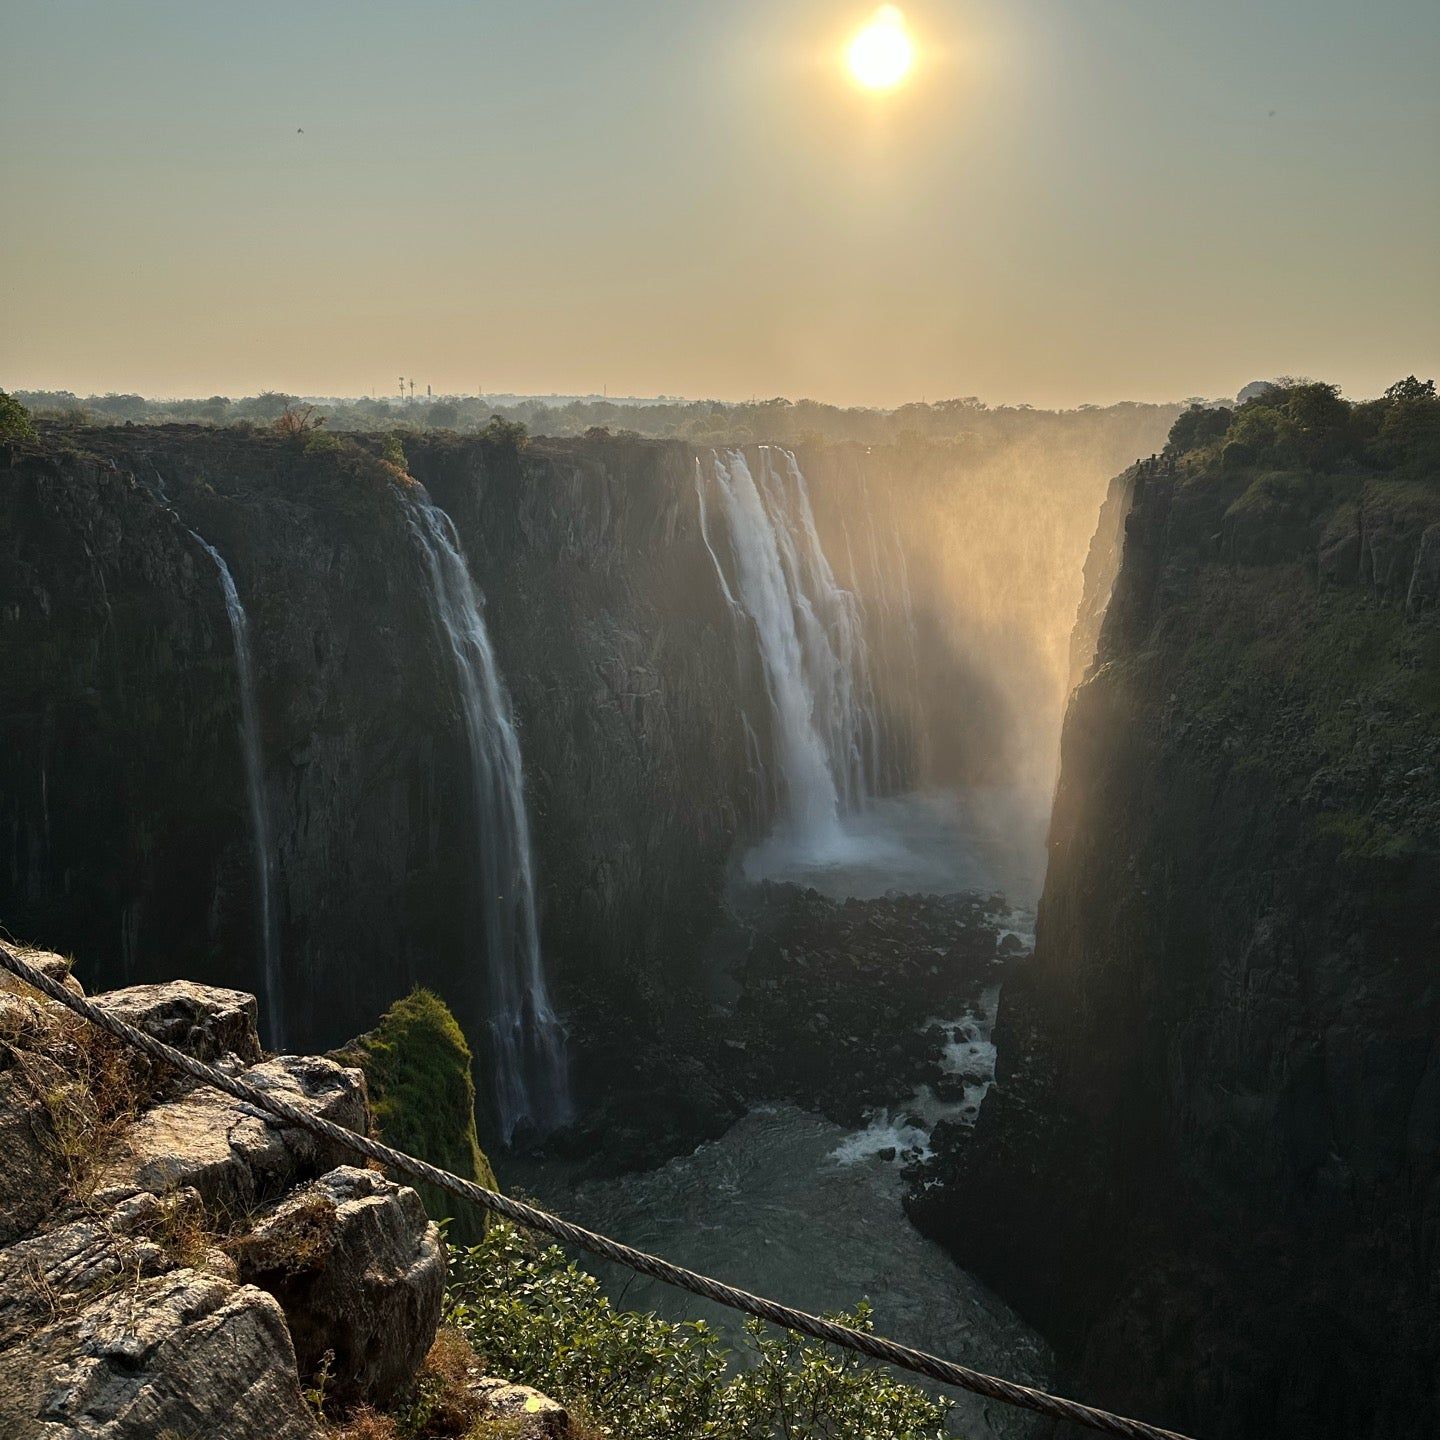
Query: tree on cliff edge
[{"x": 14, "y": 419}]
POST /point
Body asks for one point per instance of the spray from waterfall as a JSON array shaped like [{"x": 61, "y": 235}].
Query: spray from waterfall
[
  {"x": 811, "y": 642},
  {"x": 527, "y": 1041},
  {"x": 255, "y": 792}
]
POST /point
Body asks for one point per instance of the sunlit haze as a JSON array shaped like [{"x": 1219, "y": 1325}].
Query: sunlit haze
[
  {"x": 1061, "y": 203},
  {"x": 881, "y": 55}
]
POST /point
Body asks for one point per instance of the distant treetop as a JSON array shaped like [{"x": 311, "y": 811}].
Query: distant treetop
[
  {"x": 775, "y": 420},
  {"x": 1307, "y": 425},
  {"x": 14, "y": 419}
]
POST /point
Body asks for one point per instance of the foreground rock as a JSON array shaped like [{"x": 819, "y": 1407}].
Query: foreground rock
[
  {"x": 124, "y": 1312},
  {"x": 183, "y": 1353},
  {"x": 360, "y": 1273},
  {"x": 234, "y": 1155},
  {"x": 202, "y": 1020},
  {"x": 532, "y": 1415}
]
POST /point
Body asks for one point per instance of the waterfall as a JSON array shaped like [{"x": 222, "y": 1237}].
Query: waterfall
[
  {"x": 527, "y": 1041},
  {"x": 811, "y": 641},
  {"x": 255, "y": 791}
]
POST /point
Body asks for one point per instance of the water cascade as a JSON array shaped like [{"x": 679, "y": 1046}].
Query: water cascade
[
  {"x": 811, "y": 641},
  {"x": 527, "y": 1041},
  {"x": 255, "y": 792}
]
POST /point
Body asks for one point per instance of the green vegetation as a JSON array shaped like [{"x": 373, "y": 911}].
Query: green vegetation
[
  {"x": 502, "y": 434},
  {"x": 1300, "y": 649},
  {"x": 525, "y": 1313},
  {"x": 1306, "y": 425},
  {"x": 322, "y": 442},
  {"x": 965, "y": 421},
  {"x": 536, "y": 1317},
  {"x": 14, "y": 419},
  {"x": 392, "y": 451},
  {"x": 417, "y": 1069}
]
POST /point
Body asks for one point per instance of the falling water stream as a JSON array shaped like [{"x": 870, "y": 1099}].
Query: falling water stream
[
  {"x": 255, "y": 792},
  {"x": 527, "y": 1041},
  {"x": 811, "y": 643}
]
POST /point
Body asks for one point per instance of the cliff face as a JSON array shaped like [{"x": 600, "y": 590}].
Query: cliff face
[
  {"x": 1209, "y": 1166},
  {"x": 122, "y": 796},
  {"x": 126, "y": 832},
  {"x": 621, "y": 657}
]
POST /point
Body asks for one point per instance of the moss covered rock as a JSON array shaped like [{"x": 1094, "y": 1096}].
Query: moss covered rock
[{"x": 417, "y": 1067}]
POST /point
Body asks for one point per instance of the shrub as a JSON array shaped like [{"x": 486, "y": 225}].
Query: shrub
[
  {"x": 393, "y": 450},
  {"x": 1198, "y": 426},
  {"x": 536, "y": 1317},
  {"x": 1409, "y": 432},
  {"x": 298, "y": 420},
  {"x": 14, "y": 419},
  {"x": 321, "y": 442},
  {"x": 505, "y": 434}
]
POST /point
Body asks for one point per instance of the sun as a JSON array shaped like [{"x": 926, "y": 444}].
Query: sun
[{"x": 881, "y": 55}]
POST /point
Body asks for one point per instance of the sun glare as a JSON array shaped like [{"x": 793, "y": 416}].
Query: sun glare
[{"x": 881, "y": 55}]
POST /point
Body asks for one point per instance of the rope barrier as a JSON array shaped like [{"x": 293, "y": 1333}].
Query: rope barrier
[{"x": 889, "y": 1352}]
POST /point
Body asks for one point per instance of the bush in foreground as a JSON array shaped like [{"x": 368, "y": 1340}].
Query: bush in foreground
[{"x": 541, "y": 1320}]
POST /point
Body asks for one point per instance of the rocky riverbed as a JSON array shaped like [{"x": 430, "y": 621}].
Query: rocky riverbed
[{"x": 847, "y": 1008}]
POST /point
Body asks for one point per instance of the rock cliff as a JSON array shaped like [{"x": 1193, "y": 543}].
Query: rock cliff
[
  {"x": 1210, "y": 1166},
  {"x": 172, "y": 1262},
  {"x": 127, "y": 835}
]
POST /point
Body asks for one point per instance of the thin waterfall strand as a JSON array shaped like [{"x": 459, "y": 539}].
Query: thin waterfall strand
[
  {"x": 255, "y": 790},
  {"x": 527, "y": 1040}
]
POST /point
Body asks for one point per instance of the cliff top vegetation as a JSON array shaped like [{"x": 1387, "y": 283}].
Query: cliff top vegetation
[
  {"x": 14, "y": 419},
  {"x": 703, "y": 422},
  {"x": 1296, "y": 616},
  {"x": 1308, "y": 425}
]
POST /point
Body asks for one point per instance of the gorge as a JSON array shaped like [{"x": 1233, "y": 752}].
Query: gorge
[{"x": 709, "y": 788}]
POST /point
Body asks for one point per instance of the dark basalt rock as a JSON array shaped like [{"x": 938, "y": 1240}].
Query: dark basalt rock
[
  {"x": 1210, "y": 1166},
  {"x": 837, "y": 998}
]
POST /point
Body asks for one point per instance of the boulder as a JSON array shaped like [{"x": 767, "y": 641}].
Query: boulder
[
  {"x": 64, "y": 1267},
  {"x": 359, "y": 1271},
  {"x": 48, "y": 963},
  {"x": 236, "y": 1156},
  {"x": 35, "y": 1170},
  {"x": 178, "y": 1354},
  {"x": 534, "y": 1416},
  {"x": 202, "y": 1020}
]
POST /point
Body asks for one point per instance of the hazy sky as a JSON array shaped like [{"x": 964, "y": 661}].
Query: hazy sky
[{"x": 1073, "y": 200}]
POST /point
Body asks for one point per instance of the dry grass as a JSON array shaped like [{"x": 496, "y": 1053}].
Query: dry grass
[
  {"x": 84, "y": 1078},
  {"x": 295, "y": 1243},
  {"x": 441, "y": 1405},
  {"x": 182, "y": 1229},
  {"x": 365, "y": 1424}
]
